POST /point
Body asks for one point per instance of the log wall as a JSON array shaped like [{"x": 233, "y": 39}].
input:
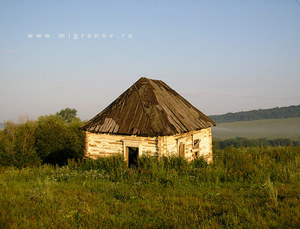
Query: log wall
[{"x": 194, "y": 143}]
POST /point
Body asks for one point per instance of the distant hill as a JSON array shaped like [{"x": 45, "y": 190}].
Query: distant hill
[
  {"x": 1, "y": 126},
  {"x": 273, "y": 113}
]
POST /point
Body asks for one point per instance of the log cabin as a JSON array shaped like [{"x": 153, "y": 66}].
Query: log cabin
[{"x": 149, "y": 118}]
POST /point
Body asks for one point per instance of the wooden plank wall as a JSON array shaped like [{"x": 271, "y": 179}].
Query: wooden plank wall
[
  {"x": 103, "y": 145},
  {"x": 170, "y": 144}
]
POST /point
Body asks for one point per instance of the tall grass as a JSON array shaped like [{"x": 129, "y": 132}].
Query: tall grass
[{"x": 244, "y": 187}]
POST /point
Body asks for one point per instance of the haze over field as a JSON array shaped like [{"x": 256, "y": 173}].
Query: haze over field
[
  {"x": 266, "y": 128},
  {"x": 279, "y": 122},
  {"x": 222, "y": 56}
]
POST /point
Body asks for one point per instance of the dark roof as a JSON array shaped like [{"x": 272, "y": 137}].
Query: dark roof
[{"x": 149, "y": 108}]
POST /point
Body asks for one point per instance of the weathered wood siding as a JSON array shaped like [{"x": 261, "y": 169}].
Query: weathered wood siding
[
  {"x": 170, "y": 145},
  {"x": 103, "y": 145}
]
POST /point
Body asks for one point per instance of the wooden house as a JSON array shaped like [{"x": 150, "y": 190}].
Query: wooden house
[{"x": 149, "y": 118}]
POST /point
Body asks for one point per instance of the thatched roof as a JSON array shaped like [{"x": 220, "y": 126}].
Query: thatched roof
[{"x": 148, "y": 108}]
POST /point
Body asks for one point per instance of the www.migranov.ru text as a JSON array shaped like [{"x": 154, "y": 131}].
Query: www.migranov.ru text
[{"x": 76, "y": 36}]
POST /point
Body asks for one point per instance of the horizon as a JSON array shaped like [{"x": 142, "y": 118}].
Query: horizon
[
  {"x": 25, "y": 116},
  {"x": 223, "y": 57}
]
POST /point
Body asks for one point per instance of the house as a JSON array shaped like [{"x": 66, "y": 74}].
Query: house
[{"x": 149, "y": 118}]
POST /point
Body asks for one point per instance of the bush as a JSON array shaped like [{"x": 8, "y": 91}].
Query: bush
[
  {"x": 52, "y": 139},
  {"x": 57, "y": 141},
  {"x": 17, "y": 144}
]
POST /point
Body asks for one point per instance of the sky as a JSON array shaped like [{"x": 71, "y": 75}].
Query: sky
[{"x": 222, "y": 56}]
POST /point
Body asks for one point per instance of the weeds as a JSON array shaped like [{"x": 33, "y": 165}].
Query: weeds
[
  {"x": 272, "y": 192},
  {"x": 244, "y": 187}
]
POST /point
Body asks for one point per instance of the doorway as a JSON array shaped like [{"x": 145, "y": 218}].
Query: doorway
[{"x": 133, "y": 153}]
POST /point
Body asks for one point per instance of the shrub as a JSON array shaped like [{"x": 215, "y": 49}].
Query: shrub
[
  {"x": 17, "y": 144},
  {"x": 52, "y": 139},
  {"x": 57, "y": 141}
]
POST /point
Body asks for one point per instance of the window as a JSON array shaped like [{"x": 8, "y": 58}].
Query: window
[{"x": 196, "y": 143}]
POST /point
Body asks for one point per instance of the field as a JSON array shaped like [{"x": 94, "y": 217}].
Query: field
[
  {"x": 243, "y": 188},
  {"x": 267, "y": 128}
]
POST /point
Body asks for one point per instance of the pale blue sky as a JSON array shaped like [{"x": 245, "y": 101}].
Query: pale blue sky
[{"x": 221, "y": 55}]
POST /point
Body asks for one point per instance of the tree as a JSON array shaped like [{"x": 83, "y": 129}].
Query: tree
[
  {"x": 51, "y": 139},
  {"x": 67, "y": 114},
  {"x": 17, "y": 144},
  {"x": 56, "y": 141}
]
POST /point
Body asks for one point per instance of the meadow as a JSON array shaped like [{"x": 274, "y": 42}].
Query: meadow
[
  {"x": 244, "y": 188},
  {"x": 265, "y": 128}
]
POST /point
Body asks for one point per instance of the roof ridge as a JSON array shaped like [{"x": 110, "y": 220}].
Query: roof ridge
[{"x": 141, "y": 101}]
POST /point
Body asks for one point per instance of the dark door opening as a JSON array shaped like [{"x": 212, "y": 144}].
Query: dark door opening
[{"x": 133, "y": 153}]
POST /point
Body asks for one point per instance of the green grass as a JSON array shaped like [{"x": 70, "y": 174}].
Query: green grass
[
  {"x": 267, "y": 128},
  {"x": 244, "y": 188}
]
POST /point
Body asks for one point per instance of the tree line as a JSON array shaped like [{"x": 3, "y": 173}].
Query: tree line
[
  {"x": 274, "y": 113},
  {"x": 49, "y": 139},
  {"x": 259, "y": 142}
]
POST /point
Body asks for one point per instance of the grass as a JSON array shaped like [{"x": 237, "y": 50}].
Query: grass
[
  {"x": 244, "y": 188},
  {"x": 267, "y": 128}
]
